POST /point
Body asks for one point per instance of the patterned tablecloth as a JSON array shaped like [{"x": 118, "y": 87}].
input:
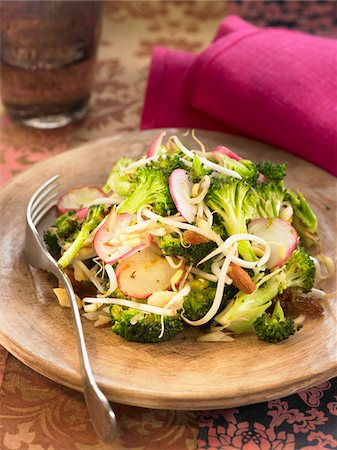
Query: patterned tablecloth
[{"x": 38, "y": 414}]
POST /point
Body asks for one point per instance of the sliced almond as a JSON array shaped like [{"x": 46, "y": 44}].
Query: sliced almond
[
  {"x": 192, "y": 237},
  {"x": 102, "y": 321},
  {"x": 241, "y": 279},
  {"x": 160, "y": 298},
  {"x": 63, "y": 299}
]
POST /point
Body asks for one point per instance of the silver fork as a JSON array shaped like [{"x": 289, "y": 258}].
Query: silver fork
[{"x": 101, "y": 415}]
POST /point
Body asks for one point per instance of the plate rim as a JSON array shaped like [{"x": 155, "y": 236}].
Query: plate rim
[{"x": 125, "y": 395}]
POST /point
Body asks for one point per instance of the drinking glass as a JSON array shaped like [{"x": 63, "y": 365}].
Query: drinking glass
[{"x": 48, "y": 51}]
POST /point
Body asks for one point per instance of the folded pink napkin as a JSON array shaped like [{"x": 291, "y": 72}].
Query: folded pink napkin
[{"x": 275, "y": 85}]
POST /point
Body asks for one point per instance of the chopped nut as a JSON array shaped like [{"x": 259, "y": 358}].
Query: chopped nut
[
  {"x": 92, "y": 307},
  {"x": 102, "y": 320},
  {"x": 79, "y": 275},
  {"x": 192, "y": 237},
  {"x": 160, "y": 298},
  {"x": 241, "y": 279},
  {"x": 63, "y": 299},
  {"x": 176, "y": 277}
]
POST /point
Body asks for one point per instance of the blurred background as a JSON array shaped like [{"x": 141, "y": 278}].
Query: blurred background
[{"x": 130, "y": 30}]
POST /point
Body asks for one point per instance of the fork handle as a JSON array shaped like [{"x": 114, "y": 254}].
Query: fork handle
[{"x": 101, "y": 415}]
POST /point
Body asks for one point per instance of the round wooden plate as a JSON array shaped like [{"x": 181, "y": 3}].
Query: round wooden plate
[{"x": 183, "y": 374}]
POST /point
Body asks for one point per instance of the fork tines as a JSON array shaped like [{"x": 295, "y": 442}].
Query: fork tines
[{"x": 43, "y": 199}]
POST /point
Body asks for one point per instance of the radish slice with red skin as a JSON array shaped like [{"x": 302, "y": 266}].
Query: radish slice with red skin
[
  {"x": 114, "y": 225},
  {"x": 78, "y": 198},
  {"x": 82, "y": 213},
  {"x": 144, "y": 273},
  {"x": 227, "y": 152},
  {"x": 279, "y": 234},
  {"x": 181, "y": 190},
  {"x": 155, "y": 146},
  {"x": 231, "y": 154}
]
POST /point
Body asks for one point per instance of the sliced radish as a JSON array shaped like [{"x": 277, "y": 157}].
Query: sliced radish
[
  {"x": 227, "y": 152},
  {"x": 107, "y": 244},
  {"x": 82, "y": 213},
  {"x": 155, "y": 146},
  {"x": 144, "y": 273},
  {"x": 262, "y": 178},
  {"x": 78, "y": 198},
  {"x": 279, "y": 234},
  {"x": 181, "y": 190}
]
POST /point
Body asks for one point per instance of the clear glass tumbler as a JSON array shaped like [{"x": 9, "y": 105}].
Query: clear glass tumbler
[{"x": 48, "y": 51}]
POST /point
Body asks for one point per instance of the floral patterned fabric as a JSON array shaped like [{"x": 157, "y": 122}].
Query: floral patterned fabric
[
  {"x": 38, "y": 414},
  {"x": 307, "y": 420}
]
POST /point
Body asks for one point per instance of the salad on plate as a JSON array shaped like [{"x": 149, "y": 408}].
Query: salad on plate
[{"x": 186, "y": 237}]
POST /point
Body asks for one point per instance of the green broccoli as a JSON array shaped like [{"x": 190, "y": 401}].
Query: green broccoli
[
  {"x": 151, "y": 188},
  {"x": 300, "y": 271},
  {"x": 64, "y": 229},
  {"x": 242, "y": 311},
  {"x": 198, "y": 170},
  {"x": 219, "y": 228},
  {"x": 67, "y": 224},
  {"x": 275, "y": 173},
  {"x": 170, "y": 245},
  {"x": 93, "y": 219},
  {"x": 304, "y": 219},
  {"x": 200, "y": 299},
  {"x": 245, "y": 167},
  {"x": 240, "y": 314},
  {"x": 169, "y": 162},
  {"x": 235, "y": 201},
  {"x": 271, "y": 196},
  {"x": 275, "y": 328},
  {"x": 119, "y": 294},
  {"x": 51, "y": 240},
  {"x": 136, "y": 326},
  {"x": 118, "y": 181}
]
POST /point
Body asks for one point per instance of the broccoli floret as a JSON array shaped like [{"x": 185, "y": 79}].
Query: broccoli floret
[
  {"x": 300, "y": 271},
  {"x": 93, "y": 219},
  {"x": 219, "y": 228},
  {"x": 51, "y": 240},
  {"x": 271, "y": 196},
  {"x": 304, "y": 219},
  {"x": 171, "y": 245},
  {"x": 151, "y": 188},
  {"x": 198, "y": 170},
  {"x": 137, "y": 326},
  {"x": 235, "y": 202},
  {"x": 119, "y": 294},
  {"x": 118, "y": 181},
  {"x": 64, "y": 229},
  {"x": 200, "y": 299},
  {"x": 242, "y": 311},
  {"x": 245, "y": 167},
  {"x": 67, "y": 224},
  {"x": 240, "y": 314},
  {"x": 275, "y": 328},
  {"x": 169, "y": 162},
  {"x": 275, "y": 173}
]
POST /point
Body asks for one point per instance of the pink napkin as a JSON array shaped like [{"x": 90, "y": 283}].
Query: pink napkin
[{"x": 275, "y": 85}]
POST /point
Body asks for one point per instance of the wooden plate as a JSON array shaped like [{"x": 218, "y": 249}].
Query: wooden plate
[{"x": 176, "y": 375}]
